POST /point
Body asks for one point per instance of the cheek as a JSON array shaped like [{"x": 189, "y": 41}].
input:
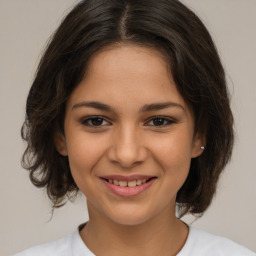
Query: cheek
[
  {"x": 173, "y": 150},
  {"x": 173, "y": 154},
  {"x": 175, "y": 165},
  {"x": 83, "y": 153}
]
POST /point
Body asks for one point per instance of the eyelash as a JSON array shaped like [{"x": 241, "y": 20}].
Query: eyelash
[
  {"x": 88, "y": 121},
  {"x": 91, "y": 118},
  {"x": 167, "y": 121}
]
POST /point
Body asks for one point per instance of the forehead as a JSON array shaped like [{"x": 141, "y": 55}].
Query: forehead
[
  {"x": 117, "y": 59},
  {"x": 125, "y": 73}
]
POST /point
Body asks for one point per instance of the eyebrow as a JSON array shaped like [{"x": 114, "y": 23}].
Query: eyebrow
[
  {"x": 159, "y": 106},
  {"x": 145, "y": 108},
  {"x": 94, "y": 104}
]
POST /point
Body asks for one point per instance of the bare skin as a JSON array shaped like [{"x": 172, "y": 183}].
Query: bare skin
[
  {"x": 127, "y": 118},
  {"x": 162, "y": 235}
]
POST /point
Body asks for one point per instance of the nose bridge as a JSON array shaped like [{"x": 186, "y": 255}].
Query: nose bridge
[{"x": 128, "y": 148}]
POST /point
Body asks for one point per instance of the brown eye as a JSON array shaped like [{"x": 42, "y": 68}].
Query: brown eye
[
  {"x": 160, "y": 121},
  {"x": 95, "y": 122}
]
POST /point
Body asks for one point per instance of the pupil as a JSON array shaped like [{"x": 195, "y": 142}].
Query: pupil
[
  {"x": 97, "y": 121},
  {"x": 158, "y": 121}
]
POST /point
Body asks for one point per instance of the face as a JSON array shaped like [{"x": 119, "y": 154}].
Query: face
[{"x": 129, "y": 135}]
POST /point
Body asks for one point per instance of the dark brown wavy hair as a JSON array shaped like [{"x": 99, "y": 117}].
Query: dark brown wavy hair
[{"x": 166, "y": 25}]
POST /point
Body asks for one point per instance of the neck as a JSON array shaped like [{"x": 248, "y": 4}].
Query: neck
[{"x": 162, "y": 235}]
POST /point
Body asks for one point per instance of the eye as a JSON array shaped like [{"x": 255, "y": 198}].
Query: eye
[
  {"x": 95, "y": 121},
  {"x": 160, "y": 121}
]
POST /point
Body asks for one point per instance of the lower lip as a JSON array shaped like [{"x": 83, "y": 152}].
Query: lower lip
[{"x": 128, "y": 191}]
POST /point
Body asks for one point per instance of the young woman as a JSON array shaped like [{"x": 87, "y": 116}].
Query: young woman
[{"x": 130, "y": 106}]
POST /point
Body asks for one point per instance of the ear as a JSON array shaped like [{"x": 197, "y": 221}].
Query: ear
[
  {"x": 60, "y": 144},
  {"x": 199, "y": 141}
]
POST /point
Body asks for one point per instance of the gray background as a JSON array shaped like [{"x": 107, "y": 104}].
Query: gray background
[{"x": 25, "y": 211}]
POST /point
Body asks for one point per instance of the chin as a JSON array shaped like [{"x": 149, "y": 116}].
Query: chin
[
  {"x": 129, "y": 221},
  {"x": 130, "y": 217}
]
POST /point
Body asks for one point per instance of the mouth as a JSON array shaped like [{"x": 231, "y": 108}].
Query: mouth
[
  {"x": 128, "y": 186},
  {"x": 130, "y": 183}
]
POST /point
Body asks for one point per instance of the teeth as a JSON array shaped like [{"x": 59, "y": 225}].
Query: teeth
[
  {"x": 138, "y": 182},
  {"x": 123, "y": 183},
  {"x": 132, "y": 183}
]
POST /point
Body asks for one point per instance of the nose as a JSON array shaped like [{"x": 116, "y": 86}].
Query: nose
[{"x": 127, "y": 148}]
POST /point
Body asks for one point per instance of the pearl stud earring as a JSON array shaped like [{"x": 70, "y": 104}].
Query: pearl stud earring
[{"x": 202, "y": 147}]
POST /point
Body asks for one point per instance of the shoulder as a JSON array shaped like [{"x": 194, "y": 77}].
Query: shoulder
[
  {"x": 66, "y": 246},
  {"x": 58, "y": 247},
  {"x": 70, "y": 245},
  {"x": 201, "y": 243}
]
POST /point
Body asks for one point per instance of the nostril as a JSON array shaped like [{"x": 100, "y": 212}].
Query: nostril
[{"x": 127, "y": 155}]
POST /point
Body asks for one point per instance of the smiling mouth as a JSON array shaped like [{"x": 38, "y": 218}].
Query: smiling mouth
[
  {"x": 128, "y": 186},
  {"x": 131, "y": 183}
]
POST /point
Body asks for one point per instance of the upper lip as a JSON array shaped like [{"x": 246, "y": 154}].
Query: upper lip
[{"x": 127, "y": 178}]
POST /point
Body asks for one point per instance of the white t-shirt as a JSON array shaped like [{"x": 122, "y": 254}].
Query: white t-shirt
[{"x": 199, "y": 243}]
